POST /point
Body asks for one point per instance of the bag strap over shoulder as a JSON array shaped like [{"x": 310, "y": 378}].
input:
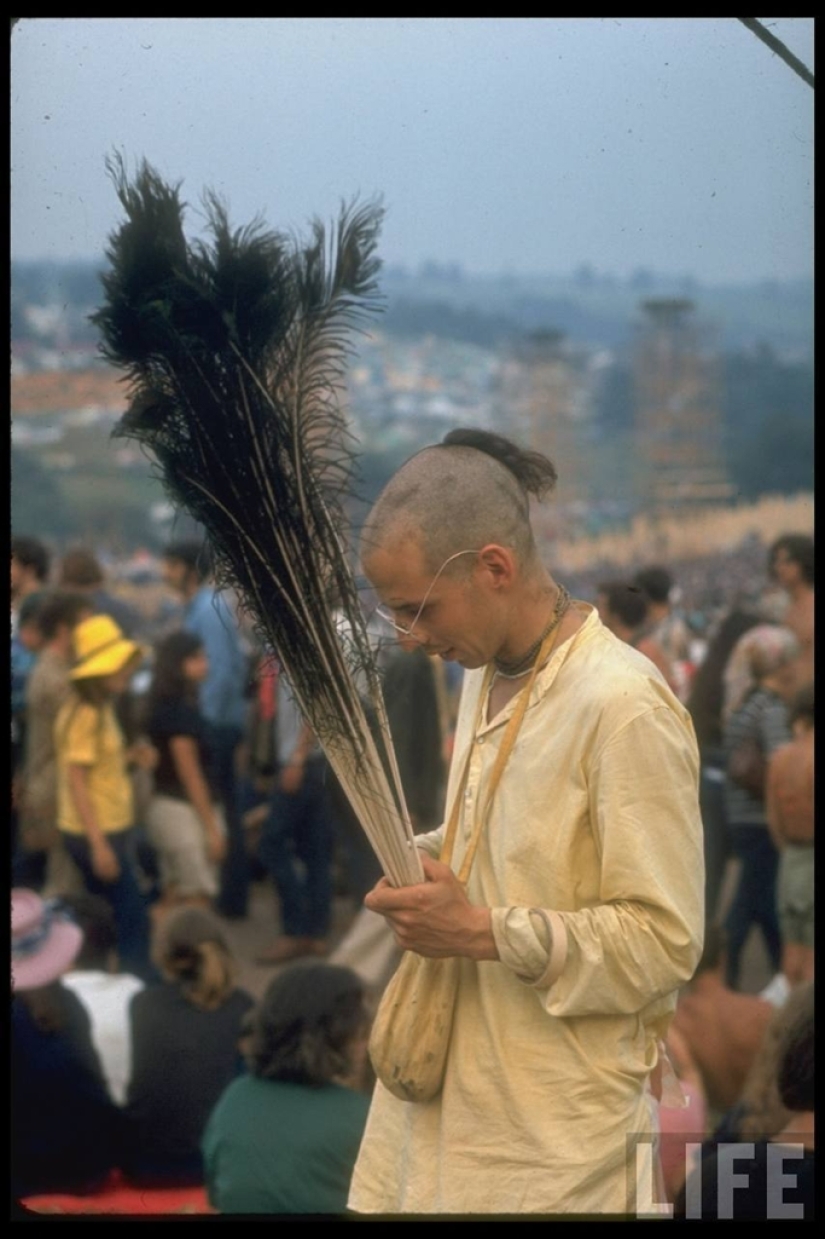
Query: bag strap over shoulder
[{"x": 507, "y": 743}]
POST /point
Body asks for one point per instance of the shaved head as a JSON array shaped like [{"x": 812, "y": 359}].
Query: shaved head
[{"x": 458, "y": 495}]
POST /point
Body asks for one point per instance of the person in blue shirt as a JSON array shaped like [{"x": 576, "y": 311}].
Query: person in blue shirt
[
  {"x": 208, "y": 614},
  {"x": 30, "y": 564}
]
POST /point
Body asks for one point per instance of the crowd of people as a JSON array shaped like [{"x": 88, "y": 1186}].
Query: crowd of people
[
  {"x": 185, "y": 1083},
  {"x": 160, "y": 767}
]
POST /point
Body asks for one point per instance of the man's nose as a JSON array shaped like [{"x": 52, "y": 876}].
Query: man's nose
[{"x": 409, "y": 641}]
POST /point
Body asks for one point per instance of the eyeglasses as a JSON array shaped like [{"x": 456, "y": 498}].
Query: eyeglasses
[{"x": 408, "y": 632}]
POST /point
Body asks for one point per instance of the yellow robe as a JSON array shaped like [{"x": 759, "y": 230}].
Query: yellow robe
[{"x": 592, "y": 862}]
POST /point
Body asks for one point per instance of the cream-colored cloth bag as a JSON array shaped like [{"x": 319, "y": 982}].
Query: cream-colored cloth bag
[
  {"x": 412, "y": 1028},
  {"x": 411, "y": 1032}
]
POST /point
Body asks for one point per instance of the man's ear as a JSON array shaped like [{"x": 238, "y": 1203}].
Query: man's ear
[{"x": 497, "y": 564}]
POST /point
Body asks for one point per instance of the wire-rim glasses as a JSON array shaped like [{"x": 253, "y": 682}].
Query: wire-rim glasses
[{"x": 408, "y": 631}]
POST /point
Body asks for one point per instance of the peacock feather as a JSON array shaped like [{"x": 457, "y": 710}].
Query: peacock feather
[{"x": 235, "y": 351}]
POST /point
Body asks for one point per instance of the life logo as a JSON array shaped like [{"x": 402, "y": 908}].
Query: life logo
[{"x": 736, "y": 1180}]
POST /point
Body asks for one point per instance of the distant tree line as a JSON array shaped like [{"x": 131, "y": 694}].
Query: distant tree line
[
  {"x": 767, "y": 409},
  {"x": 591, "y": 309},
  {"x": 61, "y": 509},
  {"x": 769, "y": 423},
  {"x": 38, "y": 505},
  {"x": 412, "y": 319}
]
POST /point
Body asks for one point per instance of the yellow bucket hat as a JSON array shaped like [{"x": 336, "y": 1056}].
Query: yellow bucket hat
[{"x": 100, "y": 648}]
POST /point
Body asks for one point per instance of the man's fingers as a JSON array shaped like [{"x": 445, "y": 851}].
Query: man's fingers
[
  {"x": 434, "y": 869},
  {"x": 387, "y": 899},
  {"x": 374, "y": 898}
]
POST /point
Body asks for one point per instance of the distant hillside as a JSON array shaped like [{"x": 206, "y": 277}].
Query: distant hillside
[
  {"x": 599, "y": 312},
  {"x": 595, "y": 310}
]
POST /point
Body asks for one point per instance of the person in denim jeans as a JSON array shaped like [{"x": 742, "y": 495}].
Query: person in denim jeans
[
  {"x": 767, "y": 653},
  {"x": 298, "y": 837}
]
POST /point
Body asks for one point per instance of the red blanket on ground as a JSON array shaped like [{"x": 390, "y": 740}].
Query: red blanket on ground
[{"x": 119, "y": 1196}]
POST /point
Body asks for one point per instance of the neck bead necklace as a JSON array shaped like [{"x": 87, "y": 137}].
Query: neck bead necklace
[{"x": 518, "y": 667}]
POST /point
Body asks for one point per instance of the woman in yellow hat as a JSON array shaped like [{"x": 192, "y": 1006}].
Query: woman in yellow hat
[{"x": 95, "y": 809}]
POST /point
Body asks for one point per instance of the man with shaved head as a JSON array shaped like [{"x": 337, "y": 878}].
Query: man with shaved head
[{"x": 574, "y": 777}]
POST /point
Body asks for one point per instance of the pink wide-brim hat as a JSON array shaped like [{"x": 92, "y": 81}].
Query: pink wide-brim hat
[{"x": 44, "y": 940}]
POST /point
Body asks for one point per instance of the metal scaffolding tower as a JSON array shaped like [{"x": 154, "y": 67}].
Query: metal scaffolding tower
[
  {"x": 678, "y": 413},
  {"x": 542, "y": 398}
]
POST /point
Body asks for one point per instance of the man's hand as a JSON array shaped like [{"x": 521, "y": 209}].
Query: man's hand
[{"x": 435, "y": 917}]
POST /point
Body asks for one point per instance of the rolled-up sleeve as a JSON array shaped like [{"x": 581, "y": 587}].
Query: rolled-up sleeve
[{"x": 532, "y": 942}]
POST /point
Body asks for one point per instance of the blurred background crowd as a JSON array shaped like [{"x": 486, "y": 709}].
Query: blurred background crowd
[{"x": 192, "y": 966}]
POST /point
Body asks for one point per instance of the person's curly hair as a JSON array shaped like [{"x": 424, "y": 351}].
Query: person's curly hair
[{"x": 304, "y": 1026}]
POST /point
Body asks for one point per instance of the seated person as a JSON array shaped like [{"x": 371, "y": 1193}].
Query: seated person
[
  {"x": 64, "y": 1126},
  {"x": 769, "y": 1176},
  {"x": 722, "y": 1029},
  {"x": 759, "y": 1111},
  {"x": 284, "y": 1138},
  {"x": 104, "y": 989},
  {"x": 185, "y": 1049}
]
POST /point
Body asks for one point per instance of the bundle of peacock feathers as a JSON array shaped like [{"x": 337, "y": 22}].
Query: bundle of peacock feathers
[{"x": 235, "y": 353}]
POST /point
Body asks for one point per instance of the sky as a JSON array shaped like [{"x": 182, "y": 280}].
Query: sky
[{"x": 524, "y": 145}]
